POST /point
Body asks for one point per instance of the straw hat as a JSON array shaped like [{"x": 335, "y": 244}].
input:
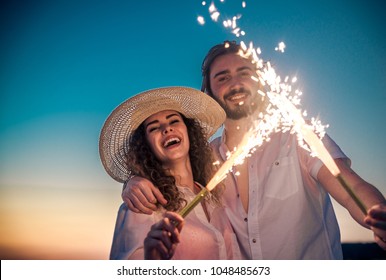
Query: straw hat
[{"x": 127, "y": 117}]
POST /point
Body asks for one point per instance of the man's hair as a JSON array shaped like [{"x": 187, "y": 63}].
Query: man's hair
[{"x": 216, "y": 51}]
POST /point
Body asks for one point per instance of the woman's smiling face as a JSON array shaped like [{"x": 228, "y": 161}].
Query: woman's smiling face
[{"x": 167, "y": 136}]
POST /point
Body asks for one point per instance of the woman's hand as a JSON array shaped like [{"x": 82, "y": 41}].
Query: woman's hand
[{"x": 163, "y": 237}]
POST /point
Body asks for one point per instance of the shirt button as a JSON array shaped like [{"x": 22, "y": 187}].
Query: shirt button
[
  {"x": 254, "y": 240},
  {"x": 245, "y": 219},
  {"x": 276, "y": 163}
]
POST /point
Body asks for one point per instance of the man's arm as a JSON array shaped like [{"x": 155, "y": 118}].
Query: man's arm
[
  {"x": 371, "y": 197},
  {"x": 141, "y": 196}
]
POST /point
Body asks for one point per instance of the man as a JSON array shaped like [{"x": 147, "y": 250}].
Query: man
[{"x": 279, "y": 203}]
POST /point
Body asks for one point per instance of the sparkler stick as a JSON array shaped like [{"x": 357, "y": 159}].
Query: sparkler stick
[
  {"x": 317, "y": 146},
  {"x": 186, "y": 210},
  {"x": 352, "y": 194}
]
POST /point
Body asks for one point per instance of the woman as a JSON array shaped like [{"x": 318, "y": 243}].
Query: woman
[{"x": 162, "y": 134}]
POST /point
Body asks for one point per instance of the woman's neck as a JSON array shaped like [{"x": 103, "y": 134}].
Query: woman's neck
[{"x": 182, "y": 172}]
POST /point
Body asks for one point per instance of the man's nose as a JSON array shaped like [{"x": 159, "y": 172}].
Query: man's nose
[{"x": 236, "y": 83}]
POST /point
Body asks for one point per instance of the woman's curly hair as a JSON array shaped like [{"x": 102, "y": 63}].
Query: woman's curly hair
[{"x": 144, "y": 163}]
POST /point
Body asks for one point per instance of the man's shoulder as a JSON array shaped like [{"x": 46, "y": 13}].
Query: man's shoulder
[{"x": 215, "y": 143}]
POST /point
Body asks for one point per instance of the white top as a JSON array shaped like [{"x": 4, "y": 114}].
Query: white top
[
  {"x": 200, "y": 239},
  {"x": 290, "y": 215}
]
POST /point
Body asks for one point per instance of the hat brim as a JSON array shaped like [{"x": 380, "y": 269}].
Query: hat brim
[{"x": 128, "y": 116}]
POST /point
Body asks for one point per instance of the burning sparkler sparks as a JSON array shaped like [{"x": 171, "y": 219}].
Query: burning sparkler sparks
[
  {"x": 214, "y": 13},
  {"x": 309, "y": 136},
  {"x": 235, "y": 158},
  {"x": 280, "y": 47},
  {"x": 201, "y": 20},
  {"x": 229, "y": 23}
]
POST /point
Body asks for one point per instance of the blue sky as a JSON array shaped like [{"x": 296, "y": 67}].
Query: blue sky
[{"x": 66, "y": 64}]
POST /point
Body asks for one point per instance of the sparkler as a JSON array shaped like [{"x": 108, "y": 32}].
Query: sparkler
[
  {"x": 186, "y": 210},
  {"x": 317, "y": 147},
  {"x": 236, "y": 157},
  {"x": 292, "y": 118}
]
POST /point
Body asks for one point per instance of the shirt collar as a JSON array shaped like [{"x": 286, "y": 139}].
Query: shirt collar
[{"x": 223, "y": 149}]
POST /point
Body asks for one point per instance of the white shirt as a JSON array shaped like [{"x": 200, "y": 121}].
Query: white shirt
[
  {"x": 199, "y": 239},
  {"x": 290, "y": 215}
]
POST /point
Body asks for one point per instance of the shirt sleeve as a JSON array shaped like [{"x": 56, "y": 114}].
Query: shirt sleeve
[
  {"x": 335, "y": 152},
  {"x": 130, "y": 232}
]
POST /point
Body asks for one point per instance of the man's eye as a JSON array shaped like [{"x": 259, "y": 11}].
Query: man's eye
[
  {"x": 222, "y": 79},
  {"x": 246, "y": 74}
]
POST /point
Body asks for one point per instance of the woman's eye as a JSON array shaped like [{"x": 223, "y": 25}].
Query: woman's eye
[
  {"x": 151, "y": 129},
  {"x": 174, "y": 121}
]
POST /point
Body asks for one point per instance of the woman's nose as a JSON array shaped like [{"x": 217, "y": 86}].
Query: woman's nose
[{"x": 167, "y": 129}]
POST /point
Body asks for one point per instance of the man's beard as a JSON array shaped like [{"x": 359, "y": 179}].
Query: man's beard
[{"x": 240, "y": 111}]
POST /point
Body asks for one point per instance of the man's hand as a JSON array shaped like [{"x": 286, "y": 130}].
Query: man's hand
[
  {"x": 376, "y": 219},
  {"x": 141, "y": 196}
]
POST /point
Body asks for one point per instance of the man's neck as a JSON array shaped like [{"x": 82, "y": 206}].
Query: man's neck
[{"x": 235, "y": 131}]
